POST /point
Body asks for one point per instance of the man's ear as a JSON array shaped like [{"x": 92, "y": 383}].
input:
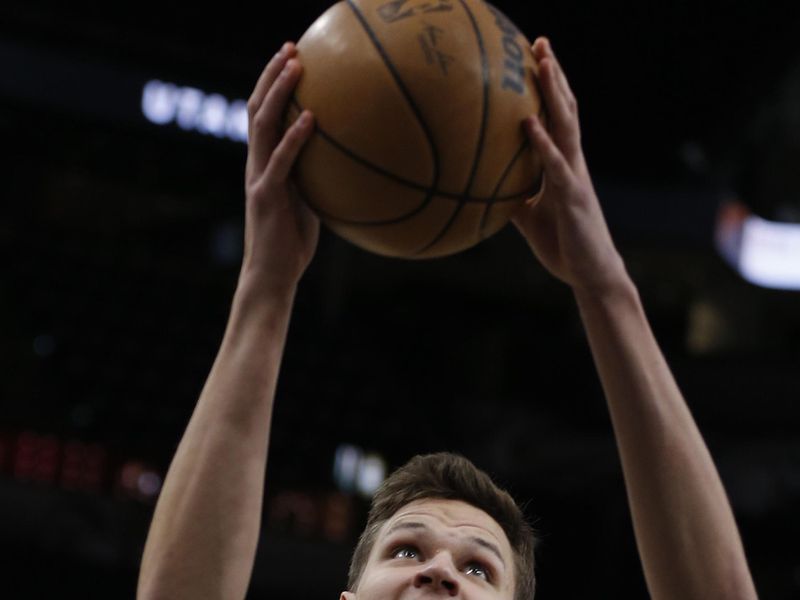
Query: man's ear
[{"x": 347, "y": 596}]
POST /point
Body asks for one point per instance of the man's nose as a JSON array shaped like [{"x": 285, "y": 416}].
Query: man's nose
[{"x": 438, "y": 574}]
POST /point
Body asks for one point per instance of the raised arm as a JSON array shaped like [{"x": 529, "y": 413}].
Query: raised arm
[
  {"x": 203, "y": 537},
  {"x": 685, "y": 530}
]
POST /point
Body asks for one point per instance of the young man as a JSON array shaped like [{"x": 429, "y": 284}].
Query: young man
[
  {"x": 202, "y": 541},
  {"x": 439, "y": 524}
]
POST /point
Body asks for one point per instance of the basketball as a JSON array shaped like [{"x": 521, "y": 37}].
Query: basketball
[{"x": 418, "y": 150}]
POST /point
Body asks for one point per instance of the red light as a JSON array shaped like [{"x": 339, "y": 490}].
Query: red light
[
  {"x": 37, "y": 457},
  {"x": 83, "y": 466},
  {"x": 294, "y": 510}
]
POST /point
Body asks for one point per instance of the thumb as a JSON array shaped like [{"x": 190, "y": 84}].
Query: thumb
[{"x": 557, "y": 170}]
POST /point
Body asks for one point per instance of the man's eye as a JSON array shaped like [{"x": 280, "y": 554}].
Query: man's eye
[
  {"x": 478, "y": 570},
  {"x": 405, "y": 552}
]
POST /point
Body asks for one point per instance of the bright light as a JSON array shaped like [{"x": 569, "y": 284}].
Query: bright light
[
  {"x": 355, "y": 470},
  {"x": 149, "y": 484},
  {"x": 190, "y": 104},
  {"x": 139, "y": 481},
  {"x": 345, "y": 466},
  {"x": 213, "y": 114},
  {"x": 371, "y": 473},
  {"x": 765, "y": 253},
  {"x": 194, "y": 110},
  {"x": 236, "y": 121},
  {"x": 159, "y": 102},
  {"x": 770, "y": 254}
]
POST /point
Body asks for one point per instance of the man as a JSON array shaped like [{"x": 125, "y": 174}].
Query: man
[
  {"x": 202, "y": 541},
  {"x": 439, "y": 524}
]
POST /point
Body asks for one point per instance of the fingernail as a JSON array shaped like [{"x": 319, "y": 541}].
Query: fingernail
[
  {"x": 305, "y": 118},
  {"x": 284, "y": 49},
  {"x": 288, "y": 67}
]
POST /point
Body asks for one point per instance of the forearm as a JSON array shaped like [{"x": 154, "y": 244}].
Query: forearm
[
  {"x": 204, "y": 533},
  {"x": 685, "y": 530}
]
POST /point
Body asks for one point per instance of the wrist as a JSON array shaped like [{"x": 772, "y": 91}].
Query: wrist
[
  {"x": 257, "y": 302},
  {"x": 255, "y": 287},
  {"x": 618, "y": 290}
]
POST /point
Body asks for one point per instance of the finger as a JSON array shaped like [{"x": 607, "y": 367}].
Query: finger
[
  {"x": 562, "y": 114},
  {"x": 543, "y": 49},
  {"x": 267, "y": 123},
  {"x": 268, "y": 76},
  {"x": 558, "y": 97},
  {"x": 538, "y": 225},
  {"x": 536, "y": 220},
  {"x": 284, "y": 156},
  {"x": 557, "y": 170},
  {"x": 539, "y": 48},
  {"x": 264, "y": 84}
]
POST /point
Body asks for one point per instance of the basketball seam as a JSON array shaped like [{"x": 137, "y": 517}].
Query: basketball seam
[
  {"x": 318, "y": 130},
  {"x": 489, "y": 205},
  {"x": 409, "y": 99},
  {"x": 537, "y": 184},
  {"x": 481, "y": 135},
  {"x": 353, "y": 156}
]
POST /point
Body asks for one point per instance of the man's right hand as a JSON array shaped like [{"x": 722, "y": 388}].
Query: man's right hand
[{"x": 281, "y": 232}]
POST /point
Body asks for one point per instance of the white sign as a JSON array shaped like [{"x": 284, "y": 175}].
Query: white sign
[{"x": 194, "y": 110}]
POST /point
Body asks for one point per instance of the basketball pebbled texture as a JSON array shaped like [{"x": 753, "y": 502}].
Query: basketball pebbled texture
[{"x": 418, "y": 150}]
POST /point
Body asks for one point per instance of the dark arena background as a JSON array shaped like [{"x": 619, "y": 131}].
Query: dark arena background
[{"x": 121, "y": 233}]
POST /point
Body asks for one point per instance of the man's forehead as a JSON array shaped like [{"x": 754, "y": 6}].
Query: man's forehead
[
  {"x": 451, "y": 519},
  {"x": 436, "y": 512}
]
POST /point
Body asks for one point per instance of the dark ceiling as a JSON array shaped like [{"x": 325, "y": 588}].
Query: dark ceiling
[{"x": 121, "y": 250}]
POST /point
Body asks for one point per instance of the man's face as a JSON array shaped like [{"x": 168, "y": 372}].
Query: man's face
[{"x": 438, "y": 548}]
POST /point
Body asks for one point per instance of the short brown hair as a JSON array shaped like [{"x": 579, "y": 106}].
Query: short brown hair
[{"x": 449, "y": 476}]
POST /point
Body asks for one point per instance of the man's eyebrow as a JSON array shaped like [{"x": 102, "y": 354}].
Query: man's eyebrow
[
  {"x": 489, "y": 546},
  {"x": 407, "y": 525},
  {"x": 474, "y": 538}
]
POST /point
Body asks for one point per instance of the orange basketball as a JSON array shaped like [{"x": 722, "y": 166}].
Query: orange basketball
[{"x": 418, "y": 149}]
